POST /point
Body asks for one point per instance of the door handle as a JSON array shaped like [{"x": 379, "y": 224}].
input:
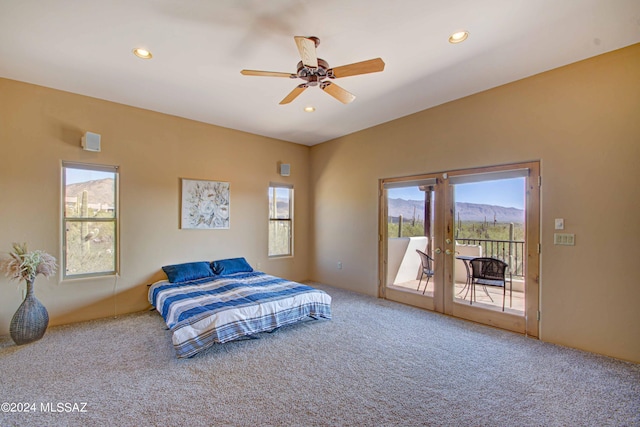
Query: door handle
[{"x": 438, "y": 250}]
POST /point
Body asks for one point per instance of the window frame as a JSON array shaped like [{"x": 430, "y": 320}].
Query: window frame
[
  {"x": 67, "y": 220},
  {"x": 272, "y": 187}
]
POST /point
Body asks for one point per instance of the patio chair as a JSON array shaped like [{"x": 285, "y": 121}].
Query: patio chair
[
  {"x": 489, "y": 272},
  {"x": 426, "y": 269}
]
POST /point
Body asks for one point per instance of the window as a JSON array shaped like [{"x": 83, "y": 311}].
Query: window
[
  {"x": 280, "y": 220},
  {"x": 89, "y": 220}
]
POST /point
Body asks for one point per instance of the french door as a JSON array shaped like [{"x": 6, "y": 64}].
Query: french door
[{"x": 453, "y": 217}]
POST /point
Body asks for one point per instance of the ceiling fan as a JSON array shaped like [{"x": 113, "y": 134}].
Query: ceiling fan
[{"x": 314, "y": 71}]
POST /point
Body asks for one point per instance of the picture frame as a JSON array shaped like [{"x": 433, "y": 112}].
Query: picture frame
[{"x": 204, "y": 204}]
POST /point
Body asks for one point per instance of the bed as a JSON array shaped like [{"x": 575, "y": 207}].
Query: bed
[{"x": 206, "y": 303}]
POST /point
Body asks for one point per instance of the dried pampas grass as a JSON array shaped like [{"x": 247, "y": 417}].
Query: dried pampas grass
[{"x": 24, "y": 265}]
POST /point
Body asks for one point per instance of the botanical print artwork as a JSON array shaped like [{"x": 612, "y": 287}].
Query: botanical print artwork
[{"x": 205, "y": 204}]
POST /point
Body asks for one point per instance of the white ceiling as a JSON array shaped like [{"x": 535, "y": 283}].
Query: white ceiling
[{"x": 200, "y": 46}]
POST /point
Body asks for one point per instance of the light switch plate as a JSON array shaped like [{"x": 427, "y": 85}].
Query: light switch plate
[
  {"x": 564, "y": 239},
  {"x": 559, "y": 223}
]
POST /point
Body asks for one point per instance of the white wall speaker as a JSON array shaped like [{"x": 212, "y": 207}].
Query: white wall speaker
[
  {"x": 285, "y": 169},
  {"x": 91, "y": 141}
]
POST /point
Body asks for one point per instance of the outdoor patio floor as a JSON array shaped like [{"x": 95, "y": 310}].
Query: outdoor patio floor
[{"x": 462, "y": 296}]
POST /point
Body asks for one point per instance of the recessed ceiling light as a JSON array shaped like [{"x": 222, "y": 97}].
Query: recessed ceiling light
[
  {"x": 309, "y": 109},
  {"x": 458, "y": 37},
  {"x": 142, "y": 53}
]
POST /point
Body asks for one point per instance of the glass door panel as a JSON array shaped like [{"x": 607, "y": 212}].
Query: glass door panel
[
  {"x": 410, "y": 268},
  {"x": 490, "y": 222}
]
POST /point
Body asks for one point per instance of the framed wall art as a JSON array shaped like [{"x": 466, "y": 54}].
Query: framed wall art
[{"x": 205, "y": 204}]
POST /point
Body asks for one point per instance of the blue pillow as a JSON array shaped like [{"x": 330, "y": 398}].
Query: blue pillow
[
  {"x": 187, "y": 271},
  {"x": 230, "y": 266}
]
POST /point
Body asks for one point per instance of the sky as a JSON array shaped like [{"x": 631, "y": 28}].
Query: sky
[{"x": 505, "y": 192}]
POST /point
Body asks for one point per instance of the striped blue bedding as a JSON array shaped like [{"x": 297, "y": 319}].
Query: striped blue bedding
[{"x": 217, "y": 310}]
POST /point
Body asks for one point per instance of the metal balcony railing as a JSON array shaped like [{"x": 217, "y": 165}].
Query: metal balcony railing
[{"x": 509, "y": 251}]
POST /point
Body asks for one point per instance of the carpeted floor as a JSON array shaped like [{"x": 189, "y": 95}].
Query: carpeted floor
[{"x": 377, "y": 363}]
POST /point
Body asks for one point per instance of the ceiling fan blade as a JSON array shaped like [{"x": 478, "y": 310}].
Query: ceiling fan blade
[
  {"x": 337, "y": 92},
  {"x": 267, "y": 73},
  {"x": 364, "y": 67},
  {"x": 307, "y": 49},
  {"x": 294, "y": 94}
]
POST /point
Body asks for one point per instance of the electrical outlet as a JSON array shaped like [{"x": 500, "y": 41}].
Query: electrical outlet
[
  {"x": 564, "y": 239},
  {"x": 559, "y": 223},
  {"x": 339, "y": 265}
]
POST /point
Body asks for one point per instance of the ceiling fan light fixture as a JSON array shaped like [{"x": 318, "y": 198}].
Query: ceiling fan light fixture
[
  {"x": 458, "y": 37},
  {"x": 309, "y": 109},
  {"x": 142, "y": 53},
  {"x": 314, "y": 71}
]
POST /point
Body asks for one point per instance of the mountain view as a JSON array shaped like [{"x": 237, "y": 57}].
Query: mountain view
[
  {"x": 467, "y": 211},
  {"x": 100, "y": 191}
]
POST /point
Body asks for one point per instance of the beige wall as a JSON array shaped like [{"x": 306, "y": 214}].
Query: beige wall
[
  {"x": 581, "y": 121},
  {"x": 40, "y": 127}
]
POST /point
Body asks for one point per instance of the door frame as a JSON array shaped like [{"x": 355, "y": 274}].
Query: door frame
[{"x": 442, "y": 300}]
